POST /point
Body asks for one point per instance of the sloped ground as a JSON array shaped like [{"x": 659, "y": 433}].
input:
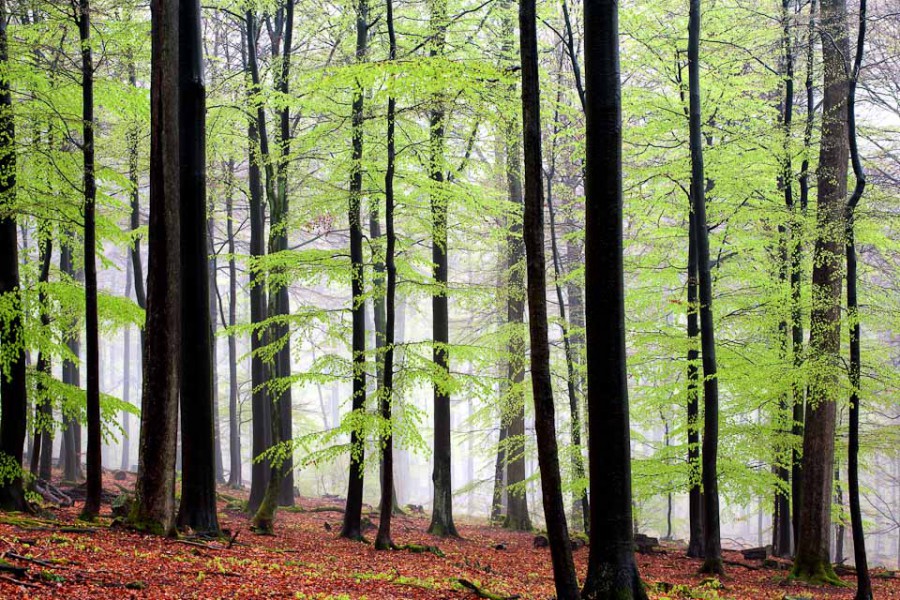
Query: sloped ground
[{"x": 306, "y": 560}]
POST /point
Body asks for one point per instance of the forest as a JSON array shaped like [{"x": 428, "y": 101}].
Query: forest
[{"x": 446, "y": 299}]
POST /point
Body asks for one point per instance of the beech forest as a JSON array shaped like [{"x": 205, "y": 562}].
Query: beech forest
[{"x": 450, "y": 299}]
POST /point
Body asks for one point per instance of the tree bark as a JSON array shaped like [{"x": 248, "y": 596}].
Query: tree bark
[
  {"x": 442, "y": 511},
  {"x": 234, "y": 423},
  {"x": 612, "y": 571},
  {"x": 383, "y": 539},
  {"x": 72, "y": 471},
  {"x": 155, "y": 488},
  {"x": 351, "y": 527},
  {"x": 258, "y": 155},
  {"x": 92, "y": 356},
  {"x": 812, "y": 560},
  {"x": 712, "y": 544},
  {"x": 863, "y": 581},
  {"x": 541, "y": 382},
  {"x": 13, "y": 390}
]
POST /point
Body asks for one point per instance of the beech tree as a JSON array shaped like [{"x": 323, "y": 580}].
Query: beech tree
[{"x": 612, "y": 570}]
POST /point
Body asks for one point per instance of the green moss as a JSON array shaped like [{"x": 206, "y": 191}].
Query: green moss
[{"x": 816, "y": 573}]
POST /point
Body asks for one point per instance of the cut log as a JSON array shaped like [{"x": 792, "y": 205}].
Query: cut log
[
  {"x": 761, "y": 553},
  {"x": 644, "y": 544}
]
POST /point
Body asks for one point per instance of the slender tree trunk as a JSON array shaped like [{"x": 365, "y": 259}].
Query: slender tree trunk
[
  {"x": 234, "y": 422},
  {"x": 258, "y": 155},
  {"x": 863, "y": 581},
  {"x": 353, "y": 512},
  {"x": 155, "y": 488},
  {"x": 383, "y": 539},
  {"x": 712, "y": 544},
  {"x": 695, "y": 498},
  {"x": 541, "y": 380},
  {"x": 799, "y": 407},
  {"x": 126, "y": 379},
  {"x": 812, "y": 560},
  {"x": 781, "y": 518},
  {"x": 612, "y": 572},
  {"x": 70, "y": 372},
  {"x": 42, "y": 452},
  {"x": 213, "y": 323},
  {"x": 581, "y": 498},
  {"x": 94, "y": 461},
  {"x": 442, "y": 512}
]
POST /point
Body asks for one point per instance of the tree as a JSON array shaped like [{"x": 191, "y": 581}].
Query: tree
[
  {"x": 352, "y": 525},
  {"x": 383, "y": 539},
  {"x": 541, "y": 382},
  {"x": 71, "y": 446},
  {"x": 863, "y": 581},
  {"x": 712, "y": 544},
  {"x": 442, "y": 511},
  {"x": 94, "y": 459},
  {"x": 197, "y": 510},
  {"x": 812, "y": 562},
  {"x": 258, "y": 149},
  {"x": 13, "y": 394},
  {"x": 612, "y": 571},
  {"x": 154, "y": 508},
  {"x": 234, "y": 429}
]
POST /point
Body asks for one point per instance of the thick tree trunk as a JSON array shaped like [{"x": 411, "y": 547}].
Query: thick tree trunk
[
  {"x": 92, "y": 326},
  {"x": 812, "y": 560},
  {"x": 155, "y": 488},
  {"x": 351, "y": 527},
  {"x": 612, "y": 572},
  {"x": 541, "y": 380},
  {"x": 13, "y": 390},
  {"x": 198, "y": 488}
]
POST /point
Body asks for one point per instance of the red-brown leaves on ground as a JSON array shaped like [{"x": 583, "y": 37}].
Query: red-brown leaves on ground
[{"x": 306, "y": 560}]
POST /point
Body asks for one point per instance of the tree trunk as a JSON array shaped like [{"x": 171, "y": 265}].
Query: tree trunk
[
  {"x": 695, "y": 498},
  {"x": 197, "y": 510},
  {"x": 95, "y": 435},
  {"x": 383, "y": 539},
  {"x": 863, "y": 581},
  {"x": 234, "y": 422},
  {"x": 126, "y": 379},
  {"x": 13, "y": 390},
  {"x": 612, "y": 572},
  {"x": 541, "y": 380},
  {"x": 580, "y": 499},
  {"x": 712, "y": 544},
  {"x": 42, "y": 451},
  {"x": 212, "y": 271},
  {"x": 781, "y": 518},
  {"x": 155, "y": 488},
  {"x": 71, "y": 450},
  {"x": 800, "y": 390},
  {"x": 258, "y": 153},
  {"x": 442, "y": 512},
  {"x": 351, "y": 527},
  {"x": 812, "y": 560}
]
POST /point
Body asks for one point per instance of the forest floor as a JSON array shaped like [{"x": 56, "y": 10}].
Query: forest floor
[{"x": 306, "y": 560}]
